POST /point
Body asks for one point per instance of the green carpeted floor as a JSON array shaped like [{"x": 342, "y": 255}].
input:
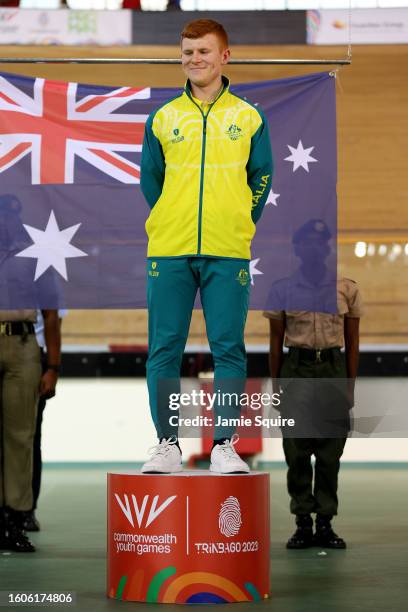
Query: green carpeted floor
[{"x": 370, "y": 575}]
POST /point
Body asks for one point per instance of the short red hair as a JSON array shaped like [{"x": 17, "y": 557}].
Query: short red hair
[{"x": 200, "y": 27}]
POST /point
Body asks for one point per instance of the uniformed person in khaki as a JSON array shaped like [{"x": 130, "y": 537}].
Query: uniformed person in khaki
[
  {"x": 317, "y": 380},
  {"x": 21, "y": 383}
]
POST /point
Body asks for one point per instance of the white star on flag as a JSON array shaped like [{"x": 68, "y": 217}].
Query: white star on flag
[
  {"x": 272, "y": 198},
  {"x": 300, "y": 157},
  {"x": 253, "y": 269},
  {"x": 51, "y": 247}
]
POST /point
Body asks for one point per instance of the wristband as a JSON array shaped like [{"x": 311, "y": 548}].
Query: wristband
[{"x": 55, "y": 368}]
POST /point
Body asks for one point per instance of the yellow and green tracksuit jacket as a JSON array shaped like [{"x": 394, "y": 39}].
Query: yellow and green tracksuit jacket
[{"x": 206, "y": 176}]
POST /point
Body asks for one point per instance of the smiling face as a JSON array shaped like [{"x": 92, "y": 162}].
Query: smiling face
[{"x": 202, "y": 59}]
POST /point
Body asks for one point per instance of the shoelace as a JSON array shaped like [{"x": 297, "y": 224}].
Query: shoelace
[
  {"x": 227, "y": 447},
  {"x": 162, "y": 447}
]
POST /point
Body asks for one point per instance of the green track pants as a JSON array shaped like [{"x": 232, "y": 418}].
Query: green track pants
[{"x": 172, "y": 285}]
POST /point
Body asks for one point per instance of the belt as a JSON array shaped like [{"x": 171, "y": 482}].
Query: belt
[
  {"x": 16, "y": 328},
  {"x": 315, "y": 355}
]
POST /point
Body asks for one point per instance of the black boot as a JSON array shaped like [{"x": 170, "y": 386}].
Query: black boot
[
  {"x": 16, "y": 539},
  {"x": 30, "y": 521},
  {"x": 325, "y": 536},
  {"x": 303, "y": 536}
]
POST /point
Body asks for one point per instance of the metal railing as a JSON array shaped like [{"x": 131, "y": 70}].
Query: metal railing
[{"x": 156, "y": 60}]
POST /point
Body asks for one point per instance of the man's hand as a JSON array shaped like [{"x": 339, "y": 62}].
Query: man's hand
[
  {"x": 276, "y": 388},
  {"x": 52, "y": 334},
  {"x": 351, "y": 338},
  {"x": 276, "y": 336},
  {"x": 48, "y": 383}
]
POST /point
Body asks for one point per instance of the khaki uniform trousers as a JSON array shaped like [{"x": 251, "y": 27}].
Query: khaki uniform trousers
[
  {"x": 316, "y": 398},
  {"x": 20, "y": 373}
]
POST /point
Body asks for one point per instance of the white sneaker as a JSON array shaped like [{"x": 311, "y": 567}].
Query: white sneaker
[
  {"x": 225, "y": 459},
  {"x": 165, "y": 459}
]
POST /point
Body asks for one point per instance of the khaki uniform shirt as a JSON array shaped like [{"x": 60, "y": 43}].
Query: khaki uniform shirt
[
  {"x": 18, "y": 315},
  {"x": 320, "y": 330}
]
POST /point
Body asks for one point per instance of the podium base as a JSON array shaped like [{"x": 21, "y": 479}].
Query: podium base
[{"x": 193, "y": 537}]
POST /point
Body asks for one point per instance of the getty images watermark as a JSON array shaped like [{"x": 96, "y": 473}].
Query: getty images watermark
[
  {"x": 303, "y": 408},
  {"x": 221, "y": 402}
]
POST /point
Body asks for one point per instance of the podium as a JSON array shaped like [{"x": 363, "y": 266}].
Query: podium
[{"x": 193, "y": 537}]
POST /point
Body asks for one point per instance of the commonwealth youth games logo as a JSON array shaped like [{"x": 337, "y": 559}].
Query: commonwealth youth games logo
[{"x": 138, "y": 512}]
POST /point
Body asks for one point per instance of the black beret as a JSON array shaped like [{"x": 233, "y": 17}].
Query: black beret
[{"x": 313, "y": 227}]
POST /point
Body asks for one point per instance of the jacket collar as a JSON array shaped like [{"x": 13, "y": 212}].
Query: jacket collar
[{"x": 225, "y": 82}]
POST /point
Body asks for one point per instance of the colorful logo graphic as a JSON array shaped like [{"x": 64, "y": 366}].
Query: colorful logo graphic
[
  {"x": 229, "y": 519},
  {"x": 313, "y": 25},
  {"x": 190, "y": 588},
  {"x": 234, "y": 132}
]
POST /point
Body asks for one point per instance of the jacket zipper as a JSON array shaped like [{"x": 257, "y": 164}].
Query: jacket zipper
[{"x": 200, "y": 201}]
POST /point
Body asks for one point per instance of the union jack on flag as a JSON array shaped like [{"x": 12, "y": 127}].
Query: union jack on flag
[{"x": 59, "y": 124}]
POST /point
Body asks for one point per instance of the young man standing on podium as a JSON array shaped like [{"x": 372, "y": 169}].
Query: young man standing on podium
[{"x": 206, "y": 173}]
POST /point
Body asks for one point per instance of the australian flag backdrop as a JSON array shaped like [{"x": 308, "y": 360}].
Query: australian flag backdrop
[{"x": 72, "y": 214}]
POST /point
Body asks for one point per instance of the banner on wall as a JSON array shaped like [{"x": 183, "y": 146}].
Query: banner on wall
[
  {"x": 72, "y": 215},
  {"x": 368, "y": 27},
  {"x": 243, "y": 27},
  {"x": 65, "y": 27}
]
